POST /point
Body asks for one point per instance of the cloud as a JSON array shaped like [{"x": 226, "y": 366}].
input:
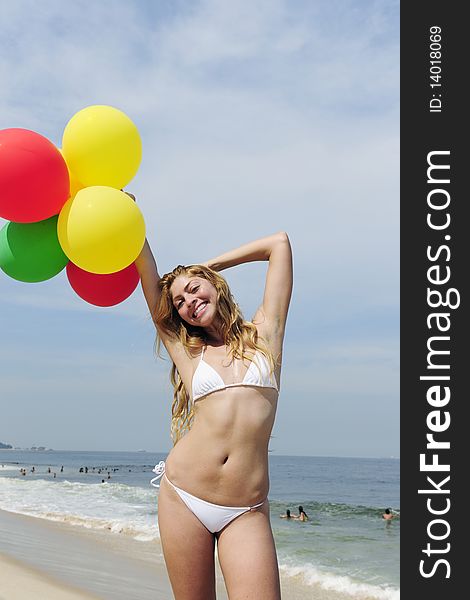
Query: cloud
[{"x": 255, "y": 117}]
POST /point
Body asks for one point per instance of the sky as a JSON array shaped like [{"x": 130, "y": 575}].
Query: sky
[{"x": 256, "y": 116}]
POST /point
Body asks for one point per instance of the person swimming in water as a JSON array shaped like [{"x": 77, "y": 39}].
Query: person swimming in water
[{"x": 226, "y": 374}]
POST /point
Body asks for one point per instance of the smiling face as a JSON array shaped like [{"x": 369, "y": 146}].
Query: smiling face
[{"x": 195, "y": 299}]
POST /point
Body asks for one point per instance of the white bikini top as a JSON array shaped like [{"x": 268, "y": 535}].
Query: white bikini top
[{"x": 206, "y": 380}]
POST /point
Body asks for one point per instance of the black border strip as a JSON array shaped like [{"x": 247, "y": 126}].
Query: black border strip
[{"x": 434, "y": 257}]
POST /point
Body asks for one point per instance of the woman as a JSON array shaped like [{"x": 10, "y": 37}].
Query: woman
[
  {"x": 226, "y": 374},
  {"x": 302, "y": 514}
]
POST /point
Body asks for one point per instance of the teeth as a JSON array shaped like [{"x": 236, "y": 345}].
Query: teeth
[{"x": 196, "y": 312}]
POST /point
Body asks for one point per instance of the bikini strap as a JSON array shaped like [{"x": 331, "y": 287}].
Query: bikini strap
[
  {"x": 159, "y": 470},
  {"x": 258, "y": 505}
]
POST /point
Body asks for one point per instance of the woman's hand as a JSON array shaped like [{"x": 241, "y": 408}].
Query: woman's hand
[{"x": 271, "y": 316}]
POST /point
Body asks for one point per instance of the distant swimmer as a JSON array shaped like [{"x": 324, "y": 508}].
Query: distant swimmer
[
  {"x": 388, "y": 515},
  {"x": 302, "y": 514},
  {"x": 287, "y": 515}
]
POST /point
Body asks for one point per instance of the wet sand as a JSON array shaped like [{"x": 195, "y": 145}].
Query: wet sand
[
  {"x": 58, "y": 561},
  {"x": 20, "y": 582},
  {"x": 73, "y": 560}
]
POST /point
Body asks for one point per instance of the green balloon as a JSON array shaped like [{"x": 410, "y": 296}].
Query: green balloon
[{"x": 31, "y": 251}]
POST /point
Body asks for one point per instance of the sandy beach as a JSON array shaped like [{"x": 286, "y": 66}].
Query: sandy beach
[
  {"x": 42, "y": 559},
  {"x": 18, "y": 581},
  {"x": 70, "y": 562}
]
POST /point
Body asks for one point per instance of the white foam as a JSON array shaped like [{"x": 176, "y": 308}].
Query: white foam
[
  {"x": 310, "y": 575},
  {"x": 115, "y": 507}
]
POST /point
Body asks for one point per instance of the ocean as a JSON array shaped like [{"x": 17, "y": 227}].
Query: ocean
[{"x": 345, "y": 546}]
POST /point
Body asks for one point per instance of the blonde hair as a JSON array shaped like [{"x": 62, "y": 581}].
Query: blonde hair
[{"x": 239, "y": 335}]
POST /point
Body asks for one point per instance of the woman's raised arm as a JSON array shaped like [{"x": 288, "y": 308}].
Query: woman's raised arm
[
  {"x": 271, "y": 316},
  {"x": 148, "y": 273},
  {"x": 149, "y": 277}
]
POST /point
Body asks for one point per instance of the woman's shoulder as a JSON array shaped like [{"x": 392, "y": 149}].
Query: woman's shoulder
[{"x": 184, "y": 357}]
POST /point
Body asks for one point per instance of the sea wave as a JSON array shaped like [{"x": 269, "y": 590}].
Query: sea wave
[
  {"x": 133, "y": 509},
  {"x": 335, "y": 508},
  {"x": 311, "y": 576},
  {"x": 119, "y": 526}
]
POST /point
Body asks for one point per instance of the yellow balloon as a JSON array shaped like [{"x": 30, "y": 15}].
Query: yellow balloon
[
  {"x": 102, "y": 146},
  {"x": 75, "y": 185},
  {"x": 101, "y": 230}
]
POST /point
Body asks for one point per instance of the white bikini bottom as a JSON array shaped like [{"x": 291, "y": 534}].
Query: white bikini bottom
[{"x": 213, "y": 516}]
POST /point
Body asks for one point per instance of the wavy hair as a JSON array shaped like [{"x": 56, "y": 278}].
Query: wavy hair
[{"x": 239, "y": 335}]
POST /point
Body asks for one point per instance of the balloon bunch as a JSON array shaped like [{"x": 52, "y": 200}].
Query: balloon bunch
[{"x": 67, "y": 209}]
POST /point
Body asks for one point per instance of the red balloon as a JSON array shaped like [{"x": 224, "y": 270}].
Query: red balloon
[
  {"x": 103, "y": 290},
  {"x": 34, "y": 180}
]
